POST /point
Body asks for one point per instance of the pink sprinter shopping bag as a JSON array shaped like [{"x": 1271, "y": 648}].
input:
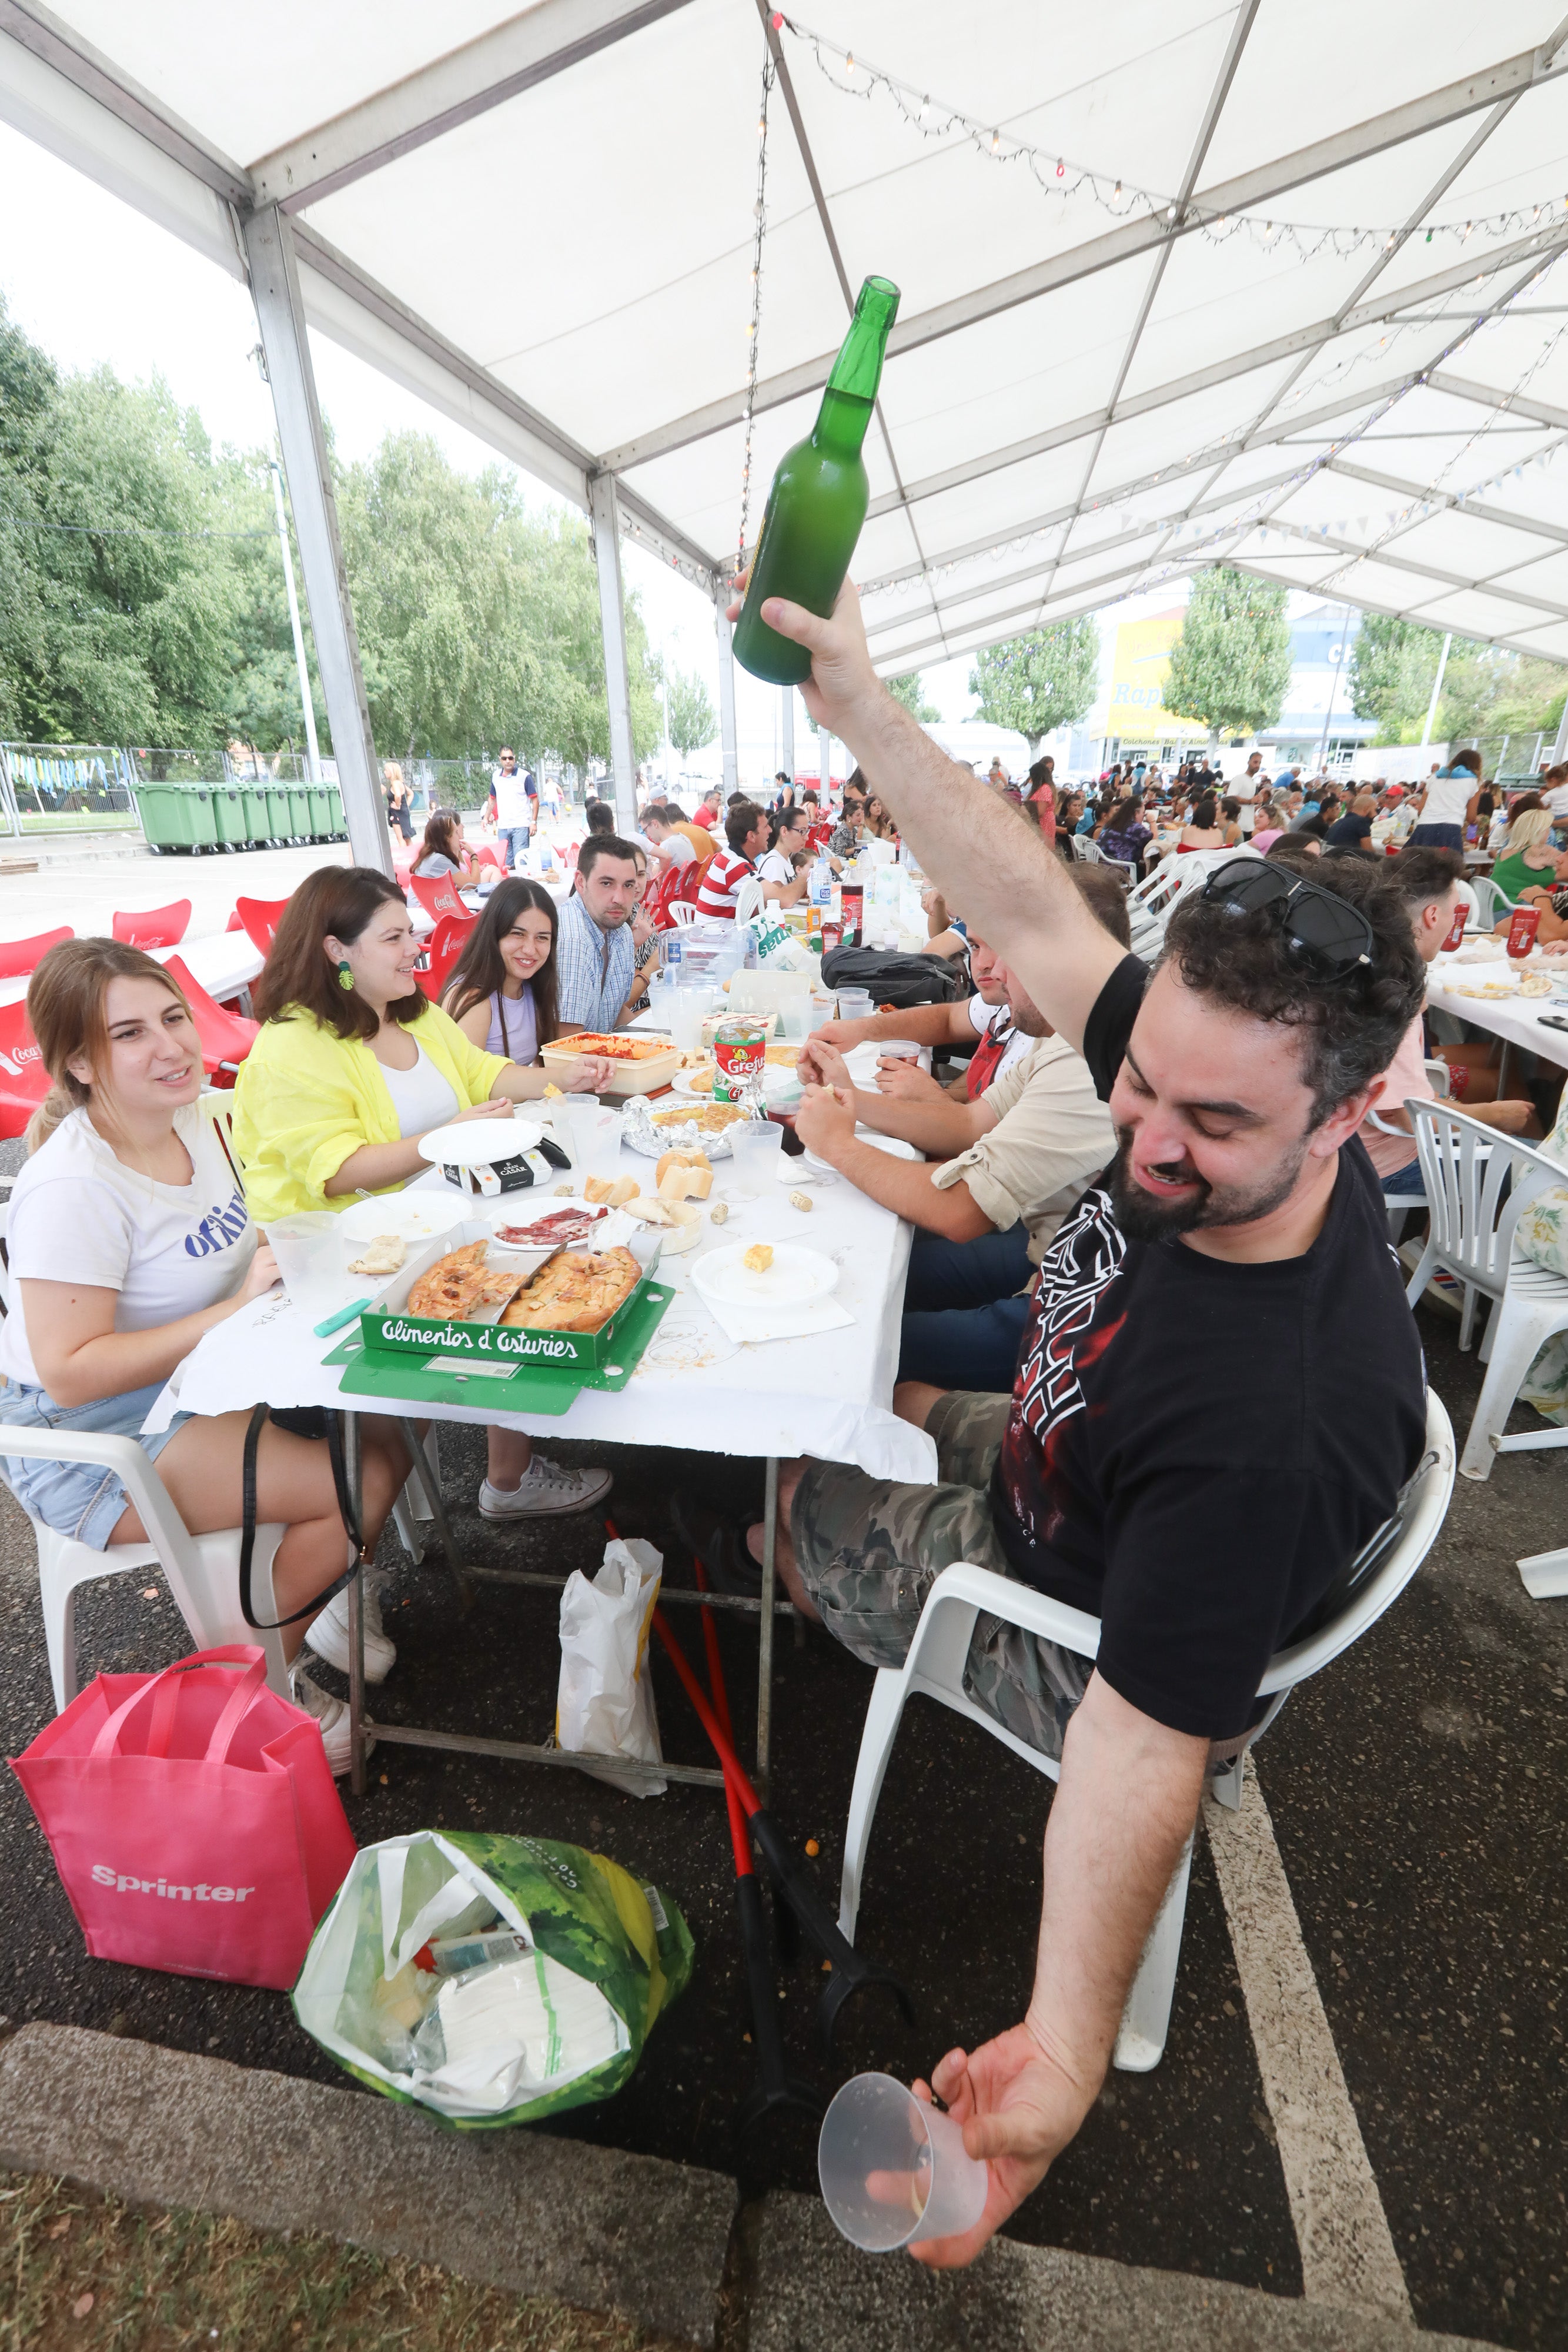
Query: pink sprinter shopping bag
[{"x": 193, "y": 1819}]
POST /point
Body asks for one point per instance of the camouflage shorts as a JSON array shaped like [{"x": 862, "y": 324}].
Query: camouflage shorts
[{"x": 870, "y": 1550}]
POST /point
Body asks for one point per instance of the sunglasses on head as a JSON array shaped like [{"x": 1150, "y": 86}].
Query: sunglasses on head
[{"x": 1315, "y": 921}]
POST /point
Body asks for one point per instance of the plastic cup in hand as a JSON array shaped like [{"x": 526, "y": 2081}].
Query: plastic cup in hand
[
  {"x": 822, "y": 1008},
  {"x": 894, "y": 2171},
  {"x": 308, "y": 1247},
  {"x": 755, "y": 1148},
  {"x": 897, "y": 1049},
  {"x": 595, "y": 1135}
]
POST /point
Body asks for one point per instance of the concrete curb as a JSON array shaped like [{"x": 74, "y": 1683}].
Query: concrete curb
[
  {"x": 809, "y": 2292},
  {"x": 535, "y": 2214},
  {"x": 523, "y": 2210}
]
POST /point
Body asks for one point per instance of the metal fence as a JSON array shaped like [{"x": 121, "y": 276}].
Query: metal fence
[{"x": 66, "y": 788}]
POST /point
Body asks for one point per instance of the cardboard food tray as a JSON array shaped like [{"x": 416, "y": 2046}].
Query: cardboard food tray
[
  {"x": 388, "y": 1328},
  {"x": 643, "y": 1077},
  {"x": 546, "y": 1389}
]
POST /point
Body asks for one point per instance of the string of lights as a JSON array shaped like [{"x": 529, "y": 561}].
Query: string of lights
[
  {"x": 754, "y": 326},
  {"x": 1060, "y": 175}
]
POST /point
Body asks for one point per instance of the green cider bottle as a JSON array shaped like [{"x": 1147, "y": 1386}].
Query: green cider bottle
[{"x": 817, "y": 501}]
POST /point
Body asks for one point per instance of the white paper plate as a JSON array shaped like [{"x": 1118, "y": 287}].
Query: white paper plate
[
  {"x": 413, "y": 1216},
  {"x": 796, "y": 1274},
  {"x": 480, "y": 1142}
]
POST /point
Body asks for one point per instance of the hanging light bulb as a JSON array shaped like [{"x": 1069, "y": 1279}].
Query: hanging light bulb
[
  {"x": 924, "y": 109},
  {"x": 1060, "y": 167},
  {"x": 1118, "y": 187},
  {"x": 996, "y": 141},
  {"x": 1267, "y": 229},
  {"x": 849, "y": 60}
]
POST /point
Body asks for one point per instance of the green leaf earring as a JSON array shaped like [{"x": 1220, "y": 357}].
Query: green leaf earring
[{"x": 345, "y": 974}]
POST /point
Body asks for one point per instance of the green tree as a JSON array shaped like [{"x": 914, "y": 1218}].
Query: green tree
[
  {"x": 1392, "y": 665},
  {"x": 909, "y": 690},
  {"x": 1037, "y": 683},
  {"x": 120, "y": 629},
  {"x": 694, "y": 722},
  {"x": 1230, "y": 665}
]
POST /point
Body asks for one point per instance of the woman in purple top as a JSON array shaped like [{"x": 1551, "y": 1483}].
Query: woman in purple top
[
  {"x": 502, "y": 992},
  {"x": 1124, "y": 834}
]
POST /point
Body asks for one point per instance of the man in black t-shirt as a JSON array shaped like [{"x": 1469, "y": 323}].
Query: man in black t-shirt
[
  {"x": 1237, "y": 1245},
  {"x": 1354, "y": 829}
]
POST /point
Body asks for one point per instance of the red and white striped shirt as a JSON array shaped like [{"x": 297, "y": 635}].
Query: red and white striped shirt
[{"x": 723, "y": 877}]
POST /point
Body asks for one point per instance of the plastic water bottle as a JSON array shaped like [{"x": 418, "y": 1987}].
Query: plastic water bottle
[{"x": 674, "y": 951}]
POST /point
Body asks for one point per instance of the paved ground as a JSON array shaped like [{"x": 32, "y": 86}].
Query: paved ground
[
  {"x": 1416, "y": 1798},
  {"x": 84, "y": 885}
]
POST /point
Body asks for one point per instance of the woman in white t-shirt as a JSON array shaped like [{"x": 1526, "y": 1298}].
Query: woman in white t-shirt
[
  {"x": 129, "y": 1239},
  {"x": 1443, "y": 803},
  {"x": 775, "y": 868}
]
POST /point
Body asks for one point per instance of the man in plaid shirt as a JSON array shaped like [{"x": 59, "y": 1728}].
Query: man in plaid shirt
[{"x": 595, "y": 961}]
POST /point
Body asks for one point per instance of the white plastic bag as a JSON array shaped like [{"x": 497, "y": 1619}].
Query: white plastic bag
[{"x": 605, "y": 1705}]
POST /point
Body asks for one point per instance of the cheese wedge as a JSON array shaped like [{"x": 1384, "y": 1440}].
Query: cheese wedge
[
  {"x": 614, "y": 1195},
  {"x": 384, "y": 1256}
]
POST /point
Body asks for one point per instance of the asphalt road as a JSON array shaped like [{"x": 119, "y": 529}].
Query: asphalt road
[{"x": 1416, "y": 1794}]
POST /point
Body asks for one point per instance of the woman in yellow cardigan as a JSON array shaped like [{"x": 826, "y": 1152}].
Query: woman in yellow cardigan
[{"x": 352, "y": 1066}]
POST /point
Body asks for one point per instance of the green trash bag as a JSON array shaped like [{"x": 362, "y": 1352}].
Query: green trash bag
[{"x": 490, "y": 1980}]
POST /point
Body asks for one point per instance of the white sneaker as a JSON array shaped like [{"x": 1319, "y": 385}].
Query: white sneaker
[
  {"x": 331, "y": 1713},
  {"x": 544, "y": 1487},
  {"x": 328, "y": 1635}
]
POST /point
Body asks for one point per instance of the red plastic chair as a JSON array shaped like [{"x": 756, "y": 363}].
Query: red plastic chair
[
  {"x": 487, "y": 856},
  {"x": 259, "y": 918},
  {"x": 20, "y": 957},
  {"x": 444, "y": 945},
  {"x": 155, "y": 927},
  {"x": 23, "y": 1081},
  {"x": 233, "y": 923},
  {"x": 819, "y": 836},
  {"x": 658, "y": 899},
  {"x": 226, "y": 1037},
  {"x": 439, "y": 897}
]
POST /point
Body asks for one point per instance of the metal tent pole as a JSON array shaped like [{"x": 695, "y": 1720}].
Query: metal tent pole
[
  {"x": 825, "y": 753},
  {"x": 787, "y": 736},
  {"x": 1559, "y": 747},
  {"x": 286, "y": 349},
  {"x": 1436, "y": 690},
  {"x": 604, "y": 509},
  {"x": 727, "y": 694},
  {"x": 313, "y": 749}
]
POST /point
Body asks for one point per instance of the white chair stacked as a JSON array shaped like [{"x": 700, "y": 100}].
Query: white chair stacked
[
  {"x": 934, "y": 1669},
  {"x": 748, "y": 899},
  {"x": 1490, "y": 903},
  {"x": 1151, "y": 905},
  {"x": 1477, "y": 1182}
]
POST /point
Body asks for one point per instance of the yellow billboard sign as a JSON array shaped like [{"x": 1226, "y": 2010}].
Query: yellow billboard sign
[{"x": 1138, "y": 675}]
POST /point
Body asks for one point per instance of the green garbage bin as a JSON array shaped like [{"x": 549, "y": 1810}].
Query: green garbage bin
[
  {"x": 256, "y": 820},
  {"x": 339, "y": 822},
  {"x": 177, "y": 819},
  {"x": 323, "y": 820},
  {"x": 278, "y": 826},
  {"x": 228, "y": 816},
  {"x": 299, "y": 811}
]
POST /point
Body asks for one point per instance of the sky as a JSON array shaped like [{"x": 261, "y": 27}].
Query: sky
[{"x": 94, "y": 282}]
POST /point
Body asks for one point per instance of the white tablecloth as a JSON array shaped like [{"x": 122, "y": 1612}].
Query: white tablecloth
[
  {"x": 1516, "y": 1019},
  {"x": 830, "y": 1397}
]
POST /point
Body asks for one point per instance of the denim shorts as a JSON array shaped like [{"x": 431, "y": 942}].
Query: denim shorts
[{"x": 78, "y": 1498}]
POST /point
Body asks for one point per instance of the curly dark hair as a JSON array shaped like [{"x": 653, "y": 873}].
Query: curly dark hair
[{"x": 1351, "y": 1025}]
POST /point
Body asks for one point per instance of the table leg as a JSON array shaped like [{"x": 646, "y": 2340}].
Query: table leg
[
  {"x": 764, "y": 1645},
  {"x": 431, "y": 1485},
  {"x": 1502, "y": 1066},
  {"x": 354, "y": 1466}
]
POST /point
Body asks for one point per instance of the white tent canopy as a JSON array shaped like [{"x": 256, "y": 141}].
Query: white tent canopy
[{"x": 1179, "y": 282}]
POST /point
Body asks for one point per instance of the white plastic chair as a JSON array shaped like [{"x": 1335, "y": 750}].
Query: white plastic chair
[
  {"x": 682, "y": 912},
  {"x": 934, "y": 1669},
  {"x": 1400, "y": 1204},
  {"x": 1090, "y": 853},
  {"x": 748, "y": 898},
  {"x": 203, "y": 1571},
  {"x": 1465, "y": 1166},
  {"x": 1490, "y": 903},
  {"x": 1151, "y": 905}
]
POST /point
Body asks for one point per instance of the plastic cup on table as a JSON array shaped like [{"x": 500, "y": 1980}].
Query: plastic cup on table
[
  {"x": 755, "y": 1148},
  {"x": 855, "y": 1004},
  {"x": 893, "y": 2171},
  {"x": 822, "y": 1009},
  {"x": 308, "y": 1247},
  {"x": 689, "y": 1008},
  {"x": 595, "y": 1134},
  {"x": 794, "y": 1018}
]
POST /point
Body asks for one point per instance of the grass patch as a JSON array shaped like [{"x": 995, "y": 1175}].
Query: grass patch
[{"x": 82, "y": 2273}]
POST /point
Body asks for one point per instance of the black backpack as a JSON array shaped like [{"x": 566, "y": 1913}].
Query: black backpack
[{"x": 895, "y": 978}]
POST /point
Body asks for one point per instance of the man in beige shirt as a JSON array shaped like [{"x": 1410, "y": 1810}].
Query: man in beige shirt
[{"x": 1000, "y": 1174}]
